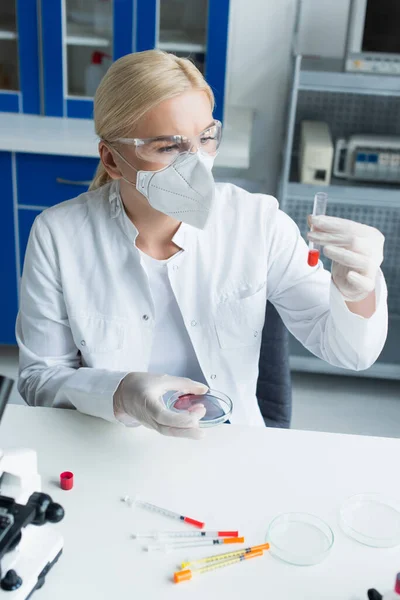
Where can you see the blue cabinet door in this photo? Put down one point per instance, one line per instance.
(67, 51)
(216, 44)
(217, 49)
(46, 180)
(26, 48)
(9, 275)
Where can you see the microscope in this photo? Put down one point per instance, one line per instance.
(29, 542)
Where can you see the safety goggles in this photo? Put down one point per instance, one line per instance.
(165, 149)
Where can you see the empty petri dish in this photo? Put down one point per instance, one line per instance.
(371, 519)
(218, 406)
(299, 539)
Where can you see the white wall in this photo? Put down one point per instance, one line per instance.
(259, 66)
(259, 54)
(323, 27)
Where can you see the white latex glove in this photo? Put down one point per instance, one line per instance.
(139, 396)
(356, 252)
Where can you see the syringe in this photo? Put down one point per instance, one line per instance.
(155, 535)
(224, 556)
(162, 511)
(187, 574)
(319, 208)
(167, 547)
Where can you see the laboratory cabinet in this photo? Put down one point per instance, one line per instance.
(82, 37)
(19, 57)
(53, 53)
(31, 183)
(78, 34)
(9, 274)
(350, 104)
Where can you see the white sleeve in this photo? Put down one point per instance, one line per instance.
(49, 361)
(313, 309)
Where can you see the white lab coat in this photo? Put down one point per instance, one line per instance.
(87, 316)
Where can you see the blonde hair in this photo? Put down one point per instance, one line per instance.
(133, 85)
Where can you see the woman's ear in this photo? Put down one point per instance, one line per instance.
(108, 161)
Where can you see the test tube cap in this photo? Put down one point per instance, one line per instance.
(397, 584)
(313, 258)
(185, 575)
(66, 480)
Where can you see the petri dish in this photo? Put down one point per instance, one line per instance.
(371, 519)
(299, 539)
(218, 406)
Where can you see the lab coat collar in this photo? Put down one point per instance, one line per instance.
(114, 199)
(182, 238)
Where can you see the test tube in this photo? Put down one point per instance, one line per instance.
(155, 535)
(162, 511)
(166, 547)
(187, 574)
(319, 208)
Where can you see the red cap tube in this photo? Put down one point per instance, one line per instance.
(66, 480)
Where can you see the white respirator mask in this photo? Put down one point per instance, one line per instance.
(184, 190)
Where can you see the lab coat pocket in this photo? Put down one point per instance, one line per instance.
(95, 334)
(240, 322)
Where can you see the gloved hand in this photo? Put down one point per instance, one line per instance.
(139, 396)
(356, 252)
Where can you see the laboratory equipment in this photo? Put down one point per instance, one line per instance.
(371, 519)
(300, 539)
(187, 574)
(27, 549)
(374, 594)
(368, 158)
(94, 73)
(166, 547)
(224, 555)
(66, 480)
(319, 208)
(155, 535)
(316, 153)
(162, 511)
(371, 48)
(218, 406)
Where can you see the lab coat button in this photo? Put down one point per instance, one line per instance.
(193, 323)
(213, 376)
(145, 317)
(255, 333)
(83, 343)
(175, 267)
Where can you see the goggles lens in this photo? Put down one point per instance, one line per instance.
(165, 150)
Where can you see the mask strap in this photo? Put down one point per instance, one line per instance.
(126, 162)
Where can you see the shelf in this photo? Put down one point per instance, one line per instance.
(180, 41)
(343, 191)
(83, 35)
(8, 32)
(386, 367)
(327, 75)
(76, 137)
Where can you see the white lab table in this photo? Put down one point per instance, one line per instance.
(236, 478)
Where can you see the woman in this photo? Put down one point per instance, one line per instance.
(157, 278)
